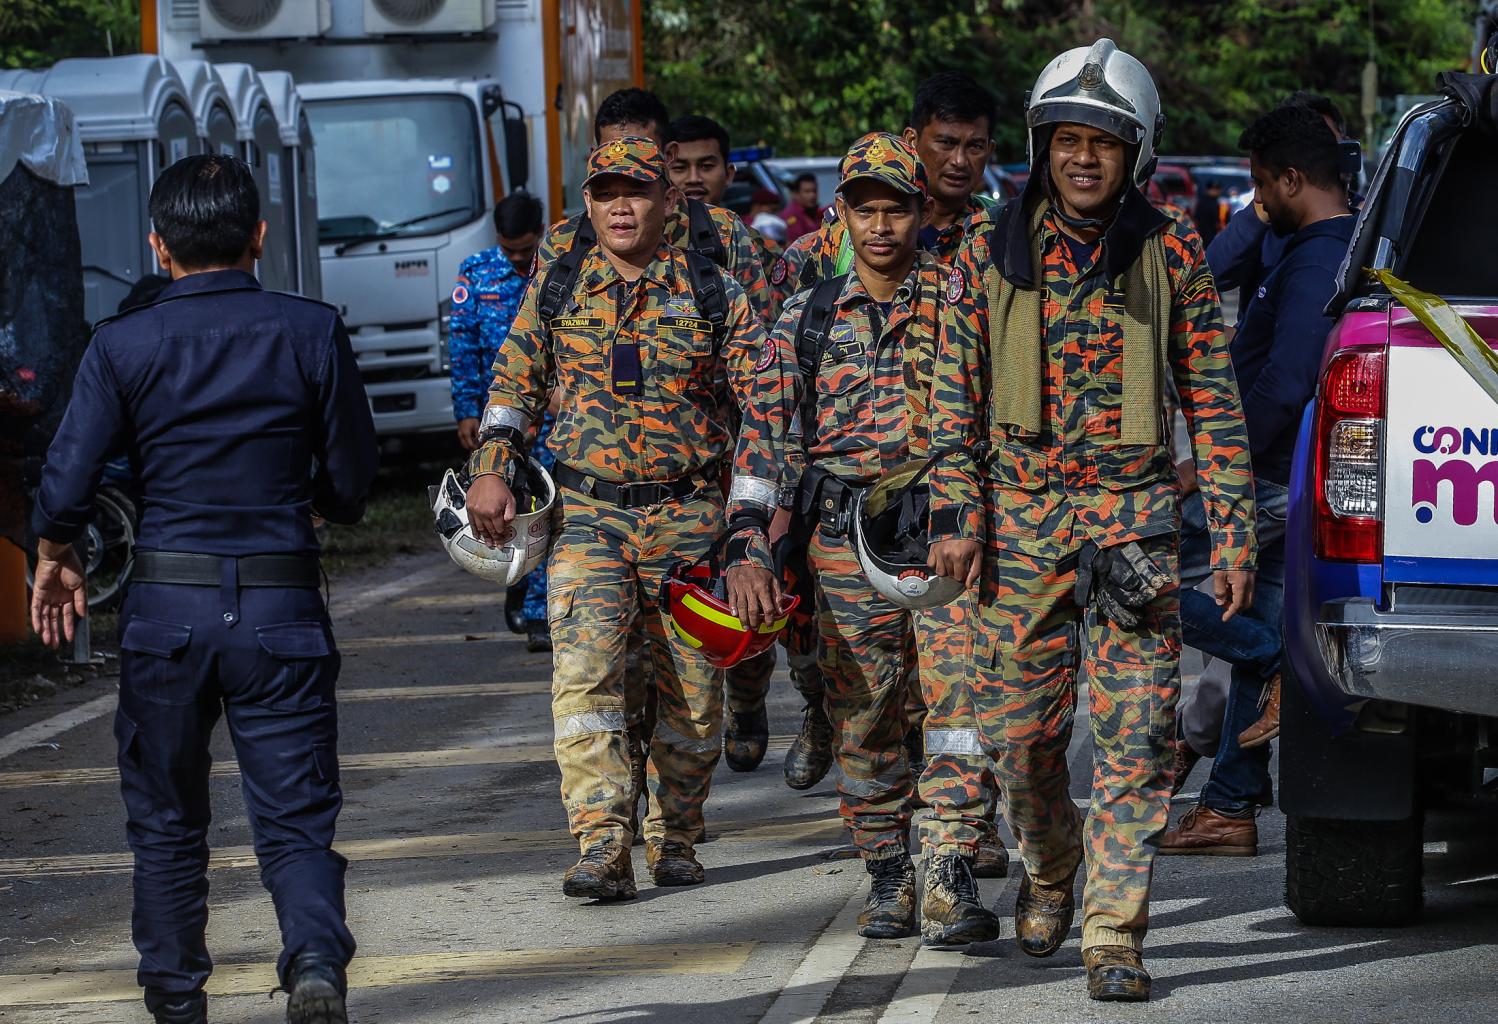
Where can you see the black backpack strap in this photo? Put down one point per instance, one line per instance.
(702, 233)
(561, 276)
(811, 339)
(707, 290)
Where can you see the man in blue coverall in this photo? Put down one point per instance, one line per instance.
(485, 300)
(242, 415)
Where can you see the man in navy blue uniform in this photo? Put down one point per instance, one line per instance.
(243, 417)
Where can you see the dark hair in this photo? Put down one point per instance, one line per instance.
(695, 128)
(952, 96)
(802, 179)
(629, 106)
(1295, 137)
(205, 208)
(1320, 104)
(517, 214)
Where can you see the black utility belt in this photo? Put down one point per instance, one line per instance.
(634, 495)
(829, 499)
(185, 569)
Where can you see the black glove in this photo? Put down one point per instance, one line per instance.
(1125, 581)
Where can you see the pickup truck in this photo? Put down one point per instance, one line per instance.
(1391, 597)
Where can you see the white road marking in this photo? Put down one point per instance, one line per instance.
(924, 987)
(813, 982)
(48, 728)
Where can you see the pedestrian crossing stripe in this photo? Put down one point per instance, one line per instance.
(414, 969)
(817, 829)
(404, 760)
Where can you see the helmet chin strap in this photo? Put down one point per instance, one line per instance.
(1098, 224)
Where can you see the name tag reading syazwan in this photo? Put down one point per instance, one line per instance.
(576, 323)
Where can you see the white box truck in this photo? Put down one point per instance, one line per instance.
(424, 114)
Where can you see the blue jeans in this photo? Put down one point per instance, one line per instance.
(1250, 642)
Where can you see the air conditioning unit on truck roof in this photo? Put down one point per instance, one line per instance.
(407, 17)
(264, 19)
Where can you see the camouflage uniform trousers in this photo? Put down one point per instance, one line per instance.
(866, 647)
(1025, 693)
(606, 572)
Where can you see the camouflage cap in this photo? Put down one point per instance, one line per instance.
(631, 156)
(883, 157)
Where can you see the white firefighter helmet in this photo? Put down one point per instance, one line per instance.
(1101, 86)
(530, 535)
(890, 536)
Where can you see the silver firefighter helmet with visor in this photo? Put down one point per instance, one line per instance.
(890, 534)
(1100, 86)
(530, 532)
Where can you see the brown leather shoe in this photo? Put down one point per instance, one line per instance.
(604, 873)
(1116, 974)
(1183, 759)
(1043, 914)
(672, 863)
(1268, 725)
(992, 860)
(1207, 833)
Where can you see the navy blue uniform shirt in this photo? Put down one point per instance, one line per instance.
(1277, 350)
(240, 410)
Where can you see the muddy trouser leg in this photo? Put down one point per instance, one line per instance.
(864, 642)
(749, 682)
(591, 604)
(688, 735)
(1134, 680)
(1024, 699)
(957, 764)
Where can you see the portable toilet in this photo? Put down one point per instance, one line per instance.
(217, 126)
(261, 147)
(134, 119)
(296, 137)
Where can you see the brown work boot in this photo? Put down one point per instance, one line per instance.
(1043, 914)
(672, 863)
(1208, 833)
(810, 756)
(746, 739)
(1116, 974)
(992, 860)
(1268, 725)
(1182, 760)
(952, 911)
(889, 911)
(604, 873)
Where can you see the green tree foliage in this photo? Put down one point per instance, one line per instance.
(808, 76)
(38, 33)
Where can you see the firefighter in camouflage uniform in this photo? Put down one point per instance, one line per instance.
(1067, 311)
(859, 414)
(645, 348)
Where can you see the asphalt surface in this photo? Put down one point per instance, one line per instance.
(458, 842)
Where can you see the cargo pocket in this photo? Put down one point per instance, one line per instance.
(559, 604)
(325, 762)
(298, 655)
(156, 671)
(1133, 467)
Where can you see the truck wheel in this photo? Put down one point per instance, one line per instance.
(1353, 873)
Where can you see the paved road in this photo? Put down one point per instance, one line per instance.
(458, 843)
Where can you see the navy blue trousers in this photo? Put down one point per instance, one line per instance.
(263, 658)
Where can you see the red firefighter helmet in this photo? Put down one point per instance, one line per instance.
(698, 613)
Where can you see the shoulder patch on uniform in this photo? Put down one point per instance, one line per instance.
(460, 294)
(778, 272)
(955, 285)
(766, 355)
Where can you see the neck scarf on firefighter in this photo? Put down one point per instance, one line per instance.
(1016, 330)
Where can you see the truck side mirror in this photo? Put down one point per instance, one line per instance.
(517, 147)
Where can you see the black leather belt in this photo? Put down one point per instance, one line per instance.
(184, 569)
(636, 495)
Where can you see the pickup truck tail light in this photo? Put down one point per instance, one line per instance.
(1349, 457)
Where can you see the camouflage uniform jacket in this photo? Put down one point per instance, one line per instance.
(485, 300)
(1075, 481)
(814, 257)
(745, 261)
(870, 410)
(664, 423)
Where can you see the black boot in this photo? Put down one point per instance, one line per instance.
(810, 757)
(537, 636)
(317, 988)
(890, 910)
(746, 739)
(191, 1009)
(515, 608)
